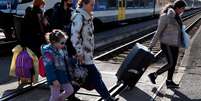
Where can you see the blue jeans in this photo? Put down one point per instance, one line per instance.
(93, 81)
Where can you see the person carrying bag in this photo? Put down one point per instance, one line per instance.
(170, 34)
(82, 38)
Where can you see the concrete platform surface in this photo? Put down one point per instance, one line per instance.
(190, 89)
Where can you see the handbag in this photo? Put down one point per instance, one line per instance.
(185, 38)
(80, 74)
(77, 73)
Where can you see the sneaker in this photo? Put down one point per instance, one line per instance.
(152, 77)
(171, 84)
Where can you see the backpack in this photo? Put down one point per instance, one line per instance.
(24, 65)
(41, 67)
(70, 48)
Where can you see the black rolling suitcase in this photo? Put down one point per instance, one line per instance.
(134, 65)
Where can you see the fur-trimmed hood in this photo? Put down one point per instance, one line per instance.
(171, 12)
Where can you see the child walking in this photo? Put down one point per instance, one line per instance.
(55, 59)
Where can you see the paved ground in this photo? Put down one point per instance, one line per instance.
(190, 89)
(144, 90)
(188, 74)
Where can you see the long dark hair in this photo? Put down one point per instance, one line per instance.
(176, 4)
(62, 2)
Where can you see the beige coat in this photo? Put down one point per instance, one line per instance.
(168, 31)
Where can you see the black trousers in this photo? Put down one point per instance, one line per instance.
(171, 53)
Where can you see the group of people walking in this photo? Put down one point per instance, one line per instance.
(69, 36)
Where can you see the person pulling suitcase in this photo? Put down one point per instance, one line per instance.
(169, 33)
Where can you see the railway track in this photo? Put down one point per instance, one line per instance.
(127, 33)
(118, 54)
(145, 39)
(7, 45)
(110, 55)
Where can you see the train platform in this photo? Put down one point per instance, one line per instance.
(190, 82)
(187, 74)
(144, 90)
(101, 39)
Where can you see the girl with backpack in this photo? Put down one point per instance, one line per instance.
(55, 59)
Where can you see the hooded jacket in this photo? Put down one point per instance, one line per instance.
(168, 31)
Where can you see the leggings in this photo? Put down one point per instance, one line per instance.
(171, 53)
(57, 95)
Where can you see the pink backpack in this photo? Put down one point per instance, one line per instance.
(41, 67)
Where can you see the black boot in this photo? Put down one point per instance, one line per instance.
(171, 84)
(152, 77)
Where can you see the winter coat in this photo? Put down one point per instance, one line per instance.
(82, 35)
(55, 62)
(169, 30)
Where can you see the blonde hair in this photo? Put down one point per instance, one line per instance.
(38, 3)
(80, 3)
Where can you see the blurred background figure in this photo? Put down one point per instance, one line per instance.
(34, 27)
